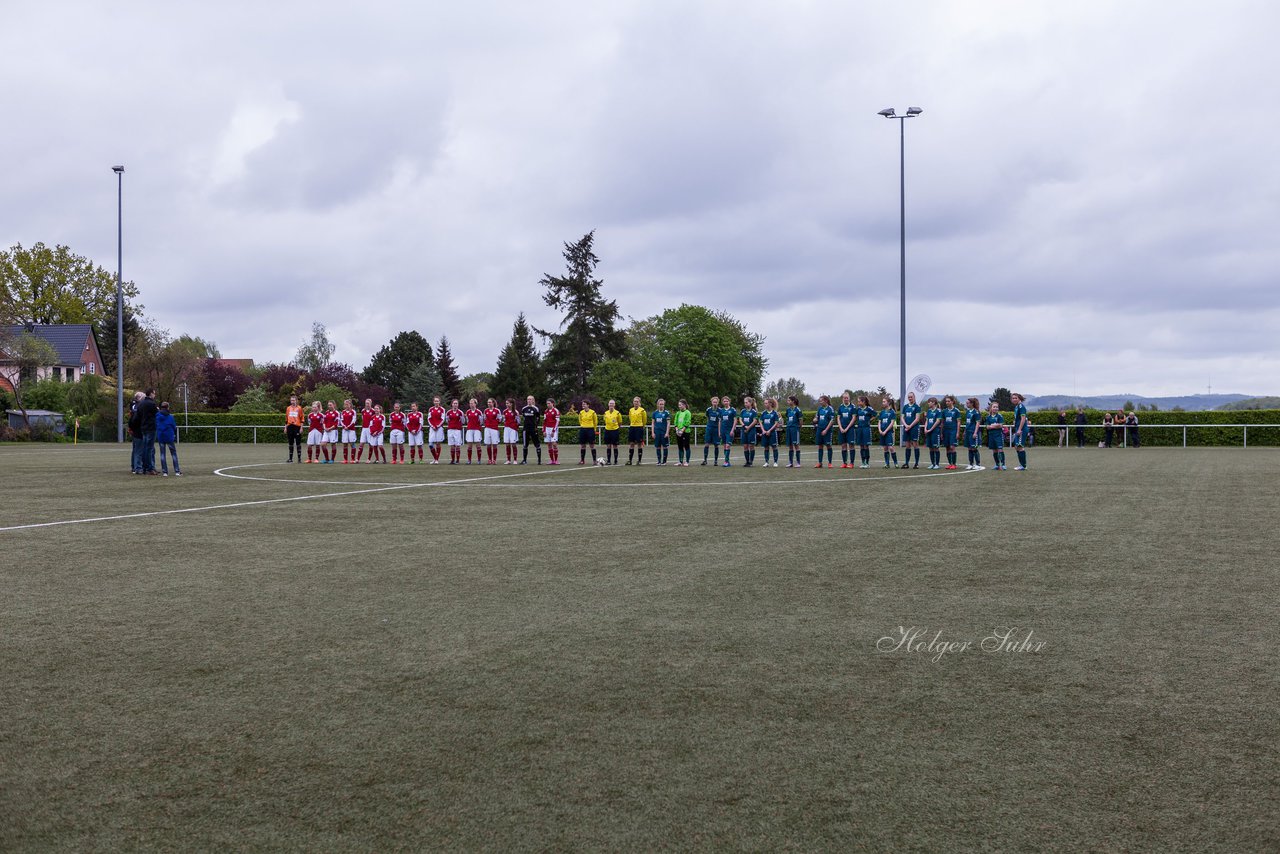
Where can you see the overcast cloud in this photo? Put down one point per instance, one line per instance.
(1092, 190)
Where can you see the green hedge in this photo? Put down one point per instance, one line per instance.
(271, 427)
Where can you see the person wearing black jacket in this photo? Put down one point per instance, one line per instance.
(147, 422)
(135, 433)
(1081, 420)
(530, 415)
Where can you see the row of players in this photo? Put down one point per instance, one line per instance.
(847, 424)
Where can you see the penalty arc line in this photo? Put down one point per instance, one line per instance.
(268, 500)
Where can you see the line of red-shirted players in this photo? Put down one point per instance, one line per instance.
(332, 427)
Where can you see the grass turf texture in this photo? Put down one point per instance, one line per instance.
(559, 661)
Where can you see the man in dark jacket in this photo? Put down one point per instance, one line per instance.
(135, 433)
(1081, 420)
(147, 421)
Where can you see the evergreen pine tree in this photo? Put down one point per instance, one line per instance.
(519, 371)
(450, 381)
(588, 334)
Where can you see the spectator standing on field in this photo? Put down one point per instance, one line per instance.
(1062, 428)
(147, 418)
(1131, 424)
(167, 438)
(135, 433)
(1081, 420)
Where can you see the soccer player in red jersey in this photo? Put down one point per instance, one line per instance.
(366, 418)
(315, 435)
(414, 423)
(492, 430)
(331, 435)
(435, 430)
(349, 418)
(456, 420)
(475, 429)
(396, 421)
(377, 424)
(551, 431)
(510, 431)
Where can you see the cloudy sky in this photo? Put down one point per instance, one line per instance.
(1093, 190)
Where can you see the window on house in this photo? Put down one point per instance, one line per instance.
(92, 368)
(57, 373)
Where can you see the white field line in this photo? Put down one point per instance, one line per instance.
(274, 500)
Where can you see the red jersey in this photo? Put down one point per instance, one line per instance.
(435, 416)
(511, 419)
(492, 418)
(455, 419)
(473, 419)
(348, 419)
(414, 420)
(316, 420)
(366, 417)
(551, 418)
(375, 424)
(397, 420)
(331, 419)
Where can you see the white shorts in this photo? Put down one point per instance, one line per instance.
(315, 437)
(331, 436)
(364, 435)
(375, 439)
(551, 434)
(348, 437)
(491, 435)
(473, 436)
(397, 437)
(509, 436)
(415, 439)
(435, 436)
(455, 437)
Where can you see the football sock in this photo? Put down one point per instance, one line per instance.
(726, 453)
(631, 455)
(895, 457)
(844, 456)
(1022, 458)
(593, 454)
(886, 458)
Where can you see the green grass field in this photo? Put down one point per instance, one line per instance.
(639, 658)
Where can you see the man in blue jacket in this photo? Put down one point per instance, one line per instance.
(167, 438)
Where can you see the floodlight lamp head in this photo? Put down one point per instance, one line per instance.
(117, 169)
(914, 111)
(887, 112)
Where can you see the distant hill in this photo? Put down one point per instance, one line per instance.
(1253, 403)
(1189, 402)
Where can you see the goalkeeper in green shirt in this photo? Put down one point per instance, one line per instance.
(684, 433)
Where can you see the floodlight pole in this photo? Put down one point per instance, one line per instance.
(911, 113)
(119, 170)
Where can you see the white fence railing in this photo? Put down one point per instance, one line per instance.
(1120, 434)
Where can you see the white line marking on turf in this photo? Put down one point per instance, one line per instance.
(273, 500)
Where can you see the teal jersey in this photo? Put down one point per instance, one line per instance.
(769, 418)
(825, 414)
(748, 417)
(727, 417)
(844, 416)
(950, 419)
(910, 412)
(886, 419)
(931, 419)
(1019, 413)
(972, 418)
(661, 422)
(865, 415)
(993, 420)
(794, 414)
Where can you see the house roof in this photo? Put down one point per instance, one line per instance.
(67, 339)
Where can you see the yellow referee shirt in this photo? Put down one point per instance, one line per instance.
(587, 418)
(639, 417)
(612, 419)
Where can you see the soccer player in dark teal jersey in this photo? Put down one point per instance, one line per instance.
(910, 430)
(662, 432)
(864, 417)
(823, 423)
(769, 430)
(973, 433)
(711, 438)
(950, 428)
(1021, 426)
(728, 418)
(993, 423)
(794, 416)
(845, 430)
(933, 433)
(887, 417)
(748, 421)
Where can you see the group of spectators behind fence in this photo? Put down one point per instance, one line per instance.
(1117, 428)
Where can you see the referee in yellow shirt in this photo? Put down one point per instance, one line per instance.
(637, 418)
(612, 426)
(587, 421)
